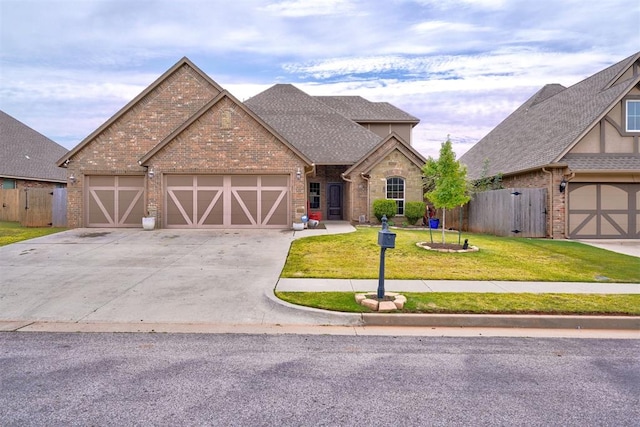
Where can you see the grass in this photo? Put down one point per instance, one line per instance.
(12, 232)
(474, 303)
(357, 256)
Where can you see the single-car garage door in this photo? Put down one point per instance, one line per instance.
(217, 201)
(604, 211)
(115, 201)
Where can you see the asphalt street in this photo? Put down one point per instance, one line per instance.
(59, 379)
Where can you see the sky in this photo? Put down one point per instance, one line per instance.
(460, 66)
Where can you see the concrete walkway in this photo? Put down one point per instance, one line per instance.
(352, 285)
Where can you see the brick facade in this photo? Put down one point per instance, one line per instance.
(225, 140)
(184, 123)
(117, 148)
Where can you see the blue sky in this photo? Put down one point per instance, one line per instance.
(460, 66)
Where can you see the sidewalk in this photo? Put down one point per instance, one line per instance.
(368, 285)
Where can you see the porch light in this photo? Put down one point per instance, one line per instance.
(73, 179)
(299, 174)
(563, 185)
(151, 173)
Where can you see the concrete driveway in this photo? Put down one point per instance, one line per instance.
(159, 276)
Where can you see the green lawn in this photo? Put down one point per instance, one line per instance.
(357, 256)
(12, 232)
(475, 303)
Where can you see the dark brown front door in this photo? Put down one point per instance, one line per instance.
(334, 202)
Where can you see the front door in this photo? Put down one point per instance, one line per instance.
(334, 202)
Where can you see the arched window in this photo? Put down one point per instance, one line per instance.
(395, 191)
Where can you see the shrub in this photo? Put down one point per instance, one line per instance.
(414, 211)
(383, 207)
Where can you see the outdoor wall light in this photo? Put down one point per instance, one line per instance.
(563, 185)
(73, 179)
(151, 173)
(299, 174)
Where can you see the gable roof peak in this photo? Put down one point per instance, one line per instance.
(546, 92)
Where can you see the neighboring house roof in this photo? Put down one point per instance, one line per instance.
(27, 154)
(362, 110)
(321, 133)
(550, 123)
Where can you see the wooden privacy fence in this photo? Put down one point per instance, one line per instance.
(35, 207)
(518, 212)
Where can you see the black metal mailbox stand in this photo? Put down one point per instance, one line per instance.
(386, 239)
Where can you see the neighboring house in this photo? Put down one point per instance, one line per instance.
(188, 153)
(28, 158)
(582, 143)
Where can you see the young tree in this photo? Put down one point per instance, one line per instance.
(446, 181)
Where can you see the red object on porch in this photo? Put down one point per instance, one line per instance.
(315, 215)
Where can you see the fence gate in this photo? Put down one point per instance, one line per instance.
(35, 207)
(59, 213)
(510, 212)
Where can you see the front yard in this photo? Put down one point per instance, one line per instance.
(357, 255)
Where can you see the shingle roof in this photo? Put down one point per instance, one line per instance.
(321, 133)
(362, 110)
(27, 154)
(541, 130)
(586, 162)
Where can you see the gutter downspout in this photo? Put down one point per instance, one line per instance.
(550, 187)
(367, 178)
(566, 205)
(342, 175)
(310, 172)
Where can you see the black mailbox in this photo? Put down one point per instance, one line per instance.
(386, 239)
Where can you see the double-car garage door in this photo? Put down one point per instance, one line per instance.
(192, 201)
(604, 211)
(217, 201)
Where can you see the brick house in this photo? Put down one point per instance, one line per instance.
(188, 153)
(28, 158)
(582, 143)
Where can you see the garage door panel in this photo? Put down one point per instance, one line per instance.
(274, 207)
(229, 201)
(101, 203)
(210, 207)
(180, 207)
(604, 210)
(615, 224)
(115, 201)
(244, 207)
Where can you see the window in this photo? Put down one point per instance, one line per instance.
(9, 184)
(395, 191)
(633, 116)
(314, 195)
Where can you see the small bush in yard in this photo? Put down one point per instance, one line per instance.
(414, 211)
(383, 207)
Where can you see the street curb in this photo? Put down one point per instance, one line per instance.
(324, 317)
(503, 321)
(527, 321)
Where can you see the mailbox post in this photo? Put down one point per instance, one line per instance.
(386, 239)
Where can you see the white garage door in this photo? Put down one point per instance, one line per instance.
(114, 201)
(604, 211)
(217, 201)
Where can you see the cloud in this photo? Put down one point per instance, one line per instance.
(305, 8)
(461, 66)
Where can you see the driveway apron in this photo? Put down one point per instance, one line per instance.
(127, 275)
